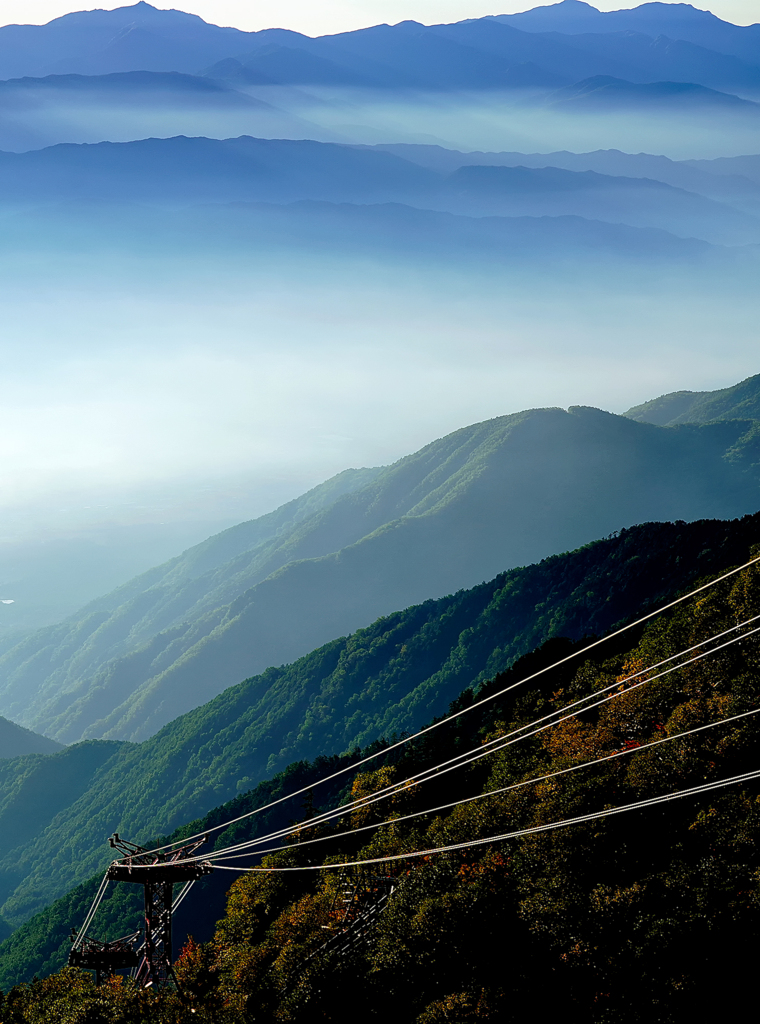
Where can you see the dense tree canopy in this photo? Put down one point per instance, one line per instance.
(647, 915)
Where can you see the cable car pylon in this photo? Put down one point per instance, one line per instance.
(157, 873)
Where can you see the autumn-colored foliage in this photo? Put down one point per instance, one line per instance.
(652, 915)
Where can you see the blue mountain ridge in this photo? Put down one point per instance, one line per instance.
(128, 663)
(184, 171)
(482, 53)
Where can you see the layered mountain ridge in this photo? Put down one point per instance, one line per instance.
(478, 53)
(387, 678)
(720, 207)
(498, 494)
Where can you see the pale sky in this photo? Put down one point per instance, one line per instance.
(327, 16)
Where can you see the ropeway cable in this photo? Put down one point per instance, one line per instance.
(464, 711)
(491, 746)
(185, 890)
(503, 741)
(91, 913)
(550, 826)
(477, 754)
(495, 792)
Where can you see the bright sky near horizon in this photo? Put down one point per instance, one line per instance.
(335, 15)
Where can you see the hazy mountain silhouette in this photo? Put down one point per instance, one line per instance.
(16, 741)
(747, 166)
(605, 93)
(675, 20)
(126, 84)
(644, 202)
(742, 401)
(182, 170)
(724, 178)
(40, 112)
(135, 38)
(485, 53)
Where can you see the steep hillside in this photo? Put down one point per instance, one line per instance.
(387, 678)
(639, 916)
(494, 495)
(742, 401)
(665, 894)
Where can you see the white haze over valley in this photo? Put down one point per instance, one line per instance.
(159, 376)
(486, 120)
(155, 391)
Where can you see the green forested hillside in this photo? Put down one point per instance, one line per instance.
(497, 494)
(740, 402)
(41, 945)
(387, 678)
(649, 915)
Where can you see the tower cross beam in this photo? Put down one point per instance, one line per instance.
(157, 873)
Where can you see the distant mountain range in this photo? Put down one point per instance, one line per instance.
(549, 46)
(498, 494)
(539, 47)
(676, 20)
(181, 171)
(735, 178)
(602, 92)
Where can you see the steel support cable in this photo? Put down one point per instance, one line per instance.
(518, 833)
(499, 792)
(91, 913)
(459, 714)
(339, 812)
(185, 890)
(503, 741)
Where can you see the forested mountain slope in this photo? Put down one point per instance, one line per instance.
(631, 917)
(15, 741)
(497, 494)
(741, 401)
(387, 678)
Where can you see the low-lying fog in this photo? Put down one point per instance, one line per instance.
(153, 393)
(513, 120)
(176, 389)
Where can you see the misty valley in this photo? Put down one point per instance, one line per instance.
(380, 571)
